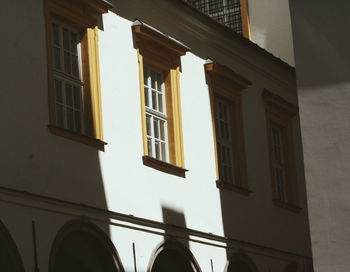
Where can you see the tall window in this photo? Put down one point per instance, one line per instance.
(73, 70)
(225, 91)
(231, 13)
(279, 116)
(156, 119)
(67, 77)
(278, 161)
(159, 66)
(224, 143)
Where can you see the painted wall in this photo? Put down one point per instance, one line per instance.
(271, 27)
(322, 60)
(38, 162)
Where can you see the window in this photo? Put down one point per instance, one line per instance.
(279, 116)
(231, 13)
(159, 66)
(225, 91)
(73, 70)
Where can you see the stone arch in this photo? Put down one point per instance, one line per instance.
(80, 244)
(240, 262)
(10, 259)
(171, 256)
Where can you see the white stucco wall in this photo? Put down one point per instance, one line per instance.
(270, 27)
(38, 162)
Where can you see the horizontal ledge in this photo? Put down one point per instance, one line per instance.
(233, 187)
(286, 205)
(84, 139)
(164, 166)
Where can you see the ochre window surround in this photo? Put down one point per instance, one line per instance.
(279, 119)
(74, 83)
(225, 89)
(160, 55)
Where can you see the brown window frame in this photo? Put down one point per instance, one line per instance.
(226, 84)
(282, 113)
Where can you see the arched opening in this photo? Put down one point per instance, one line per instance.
(172, 257)
(10, 260)
(241, 263)
(83, 247)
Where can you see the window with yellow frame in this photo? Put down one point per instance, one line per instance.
(73, 69)
(225, 94)
(159, 67)
(279, 118)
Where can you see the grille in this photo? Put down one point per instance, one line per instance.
(226, 12)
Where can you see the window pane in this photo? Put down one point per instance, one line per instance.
(148, 125)
(162, 130)
(163, 147)
(156, 127)
(57, 58)
(56, 35)
(149, 145)
(65, 39)
(154, 100)
(75, 67)
(77, 98)
(74, 43)
(69, 95)
(153, 79)
(146, 97)
(157, 147)
(67, 63)
(160, 102)
(58, 88)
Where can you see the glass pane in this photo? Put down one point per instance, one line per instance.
(159, 82)
(75, 67)
(157, 147)
(67, 63)
(148, 125)
(77, 98)
(154, 100)
(153, 79)
(74, 43)
(69, 95)
(58, 88)
(145, 75)
(149, 145)
(59, 115)
(57, 58)
(163, 146)
(160, 102)
(156, 128)
(162, 130)
(70, 119)
(65, 39)
(146, 97)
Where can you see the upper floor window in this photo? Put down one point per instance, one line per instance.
(73, 69)
(225, 92)
(231, 13)
(159, 66)
(279, 117)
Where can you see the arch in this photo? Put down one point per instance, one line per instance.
(80, 244)
(10, 259)
(171, 256)
(240, 262)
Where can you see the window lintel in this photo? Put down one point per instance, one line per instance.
(278, 104)
(145, 32)
(221, 73)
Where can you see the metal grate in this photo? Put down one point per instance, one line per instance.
(226, 12)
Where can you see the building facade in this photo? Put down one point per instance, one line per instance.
(322, 59)
(146, 136)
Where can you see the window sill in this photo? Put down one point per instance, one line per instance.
(232, 187)
(286, 205)
(100, 145)
(164, 166)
